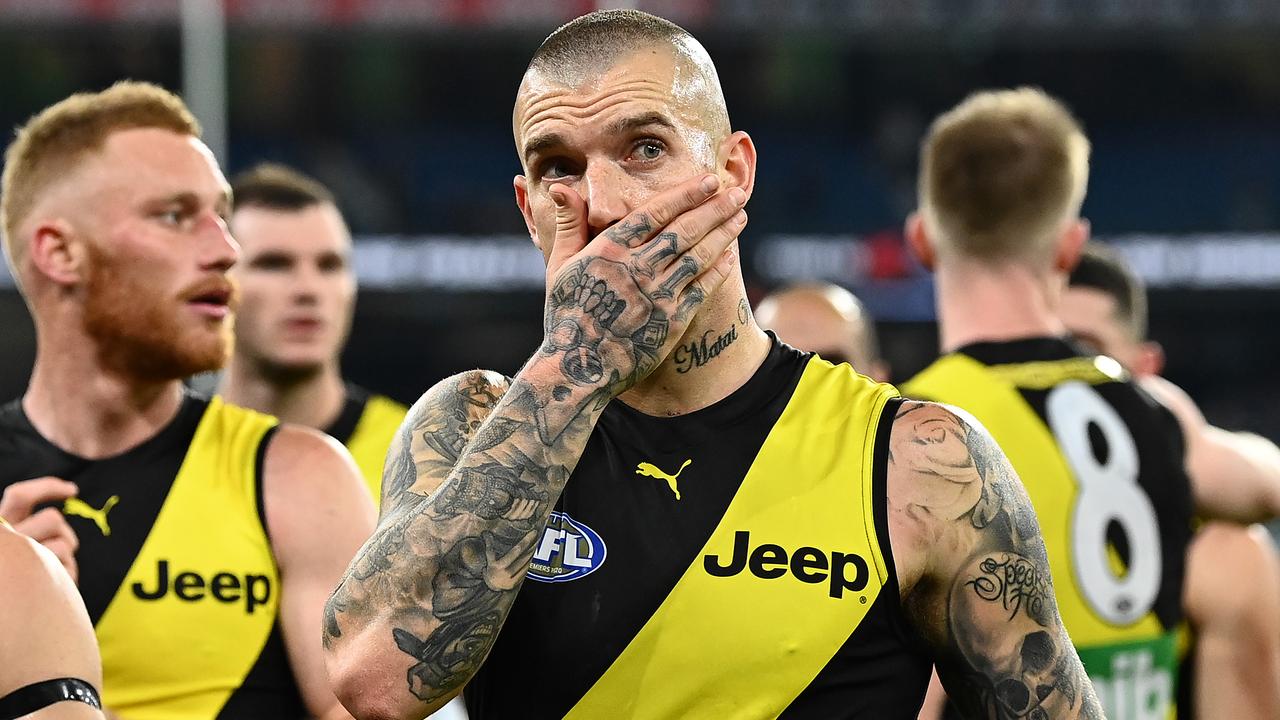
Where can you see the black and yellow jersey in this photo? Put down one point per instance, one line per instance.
(176, 568)
(366, 425)
(1103, 464)
(731, 563)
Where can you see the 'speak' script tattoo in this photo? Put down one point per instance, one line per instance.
(699, 352)
(1016, 584)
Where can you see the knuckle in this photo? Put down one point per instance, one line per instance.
(698, 258)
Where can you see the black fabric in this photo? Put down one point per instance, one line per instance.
(541, 666)
(37, 696)
(140, 477)
(344, 426)
(561, 637)
(270, 690)
(882, 670)
(1161, 450)
(259, 461)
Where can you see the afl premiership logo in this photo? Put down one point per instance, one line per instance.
(567, 551)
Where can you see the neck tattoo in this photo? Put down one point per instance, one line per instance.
(700, 352)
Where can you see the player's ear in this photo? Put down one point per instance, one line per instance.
(918, 240)
(57, 253)
(1071, 245)
(521, 185)
(737, 160)
(1150, 359)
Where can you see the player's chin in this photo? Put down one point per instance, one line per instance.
(296, 363)
(204, 350)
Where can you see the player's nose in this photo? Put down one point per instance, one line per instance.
(218, 249)
(604, 187)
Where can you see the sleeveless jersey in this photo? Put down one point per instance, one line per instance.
(366, 425)
(1103, 465)
(731, 563)
(176, 568)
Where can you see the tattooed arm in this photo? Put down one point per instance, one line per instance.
(974, 574)
(467, 496)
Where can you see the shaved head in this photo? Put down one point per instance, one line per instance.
(828, 320)
(585, 49)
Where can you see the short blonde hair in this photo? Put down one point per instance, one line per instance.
(52, 142)
(1000, 174)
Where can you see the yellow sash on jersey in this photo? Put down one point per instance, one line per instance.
(371, 438)
(180, 658)
(743, 646)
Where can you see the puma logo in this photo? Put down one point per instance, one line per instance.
(650, 470)
(80, 508)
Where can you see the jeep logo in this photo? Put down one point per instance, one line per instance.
(807, 564)
(225, 587)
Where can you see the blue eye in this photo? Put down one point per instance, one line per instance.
(650, 150)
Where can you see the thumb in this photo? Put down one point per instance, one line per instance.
(571, 224)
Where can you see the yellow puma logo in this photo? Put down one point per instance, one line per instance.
(650, 470)
(78, 507)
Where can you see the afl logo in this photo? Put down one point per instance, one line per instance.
(567, 551)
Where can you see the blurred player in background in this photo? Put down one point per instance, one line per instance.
(722, 549)
(297, 296)
(1233, 574)
(209, 535)
(1235, 475)
(828, 320)
(1002, 179)
(48, 655)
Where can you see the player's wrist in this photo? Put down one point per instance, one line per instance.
(548, 374)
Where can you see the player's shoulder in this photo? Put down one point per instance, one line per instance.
(45, 624)
(305, 475)
(918, 419)
(24, 562)
(939, 456)
(298, 454)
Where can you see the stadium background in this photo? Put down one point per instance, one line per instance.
(403, 108)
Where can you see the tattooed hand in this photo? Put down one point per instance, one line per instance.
(481, 460)
(974, 574)
(616, 305)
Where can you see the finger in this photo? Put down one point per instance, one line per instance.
(571, 224)
(687, 231)
(649, 219)
(19, 498)
(66, 555)
(708, 282)
(48, 524)
(701, 256)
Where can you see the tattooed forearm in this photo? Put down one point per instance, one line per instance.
(447, 561)
(482, 460)
(1004, 653)
(698, 353)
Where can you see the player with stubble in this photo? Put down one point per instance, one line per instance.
(208, 535)
(742, 534)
